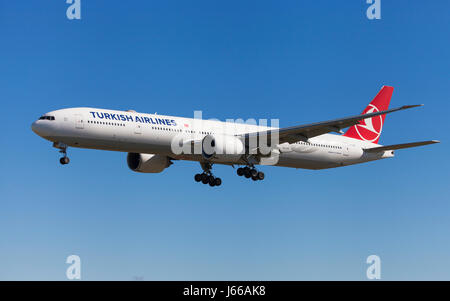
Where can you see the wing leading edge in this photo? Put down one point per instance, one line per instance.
(304, 132)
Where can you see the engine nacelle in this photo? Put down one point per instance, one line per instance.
(222, 148)
(147, 163)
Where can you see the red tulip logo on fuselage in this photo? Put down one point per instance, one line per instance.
(370, 129)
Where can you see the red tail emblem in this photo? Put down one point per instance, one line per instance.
(370, 129)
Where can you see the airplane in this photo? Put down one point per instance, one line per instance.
(153, 141)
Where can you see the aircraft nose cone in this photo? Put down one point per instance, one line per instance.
(34, 127)
(40, 129)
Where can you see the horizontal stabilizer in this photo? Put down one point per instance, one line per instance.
(399, 146)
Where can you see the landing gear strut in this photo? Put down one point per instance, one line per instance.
(63, 150)
(207, 177)
(250, 172)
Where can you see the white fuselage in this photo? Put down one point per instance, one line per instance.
(129, 131)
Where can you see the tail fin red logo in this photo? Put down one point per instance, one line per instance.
(370, 129)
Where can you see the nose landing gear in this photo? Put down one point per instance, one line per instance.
(250, 172)
(63, 150)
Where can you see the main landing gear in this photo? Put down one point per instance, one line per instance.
(63, 150)
(250, 172)
(207, 177)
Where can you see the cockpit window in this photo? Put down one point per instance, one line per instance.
(47, 118)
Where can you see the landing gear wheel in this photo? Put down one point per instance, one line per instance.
(198, 177)
(205, 179)
(211, 181)
(260, 175)
(240, 171)
(250, 171)
(64, 160)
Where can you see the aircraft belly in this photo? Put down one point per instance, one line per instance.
(112, 144)
(308, 160)
(296, 157)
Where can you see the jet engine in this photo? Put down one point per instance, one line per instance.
(147, 163)
(222, 148)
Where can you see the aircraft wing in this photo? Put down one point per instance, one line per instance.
(399, 146)
(303, 132)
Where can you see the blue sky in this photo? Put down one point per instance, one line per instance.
(299, 61)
